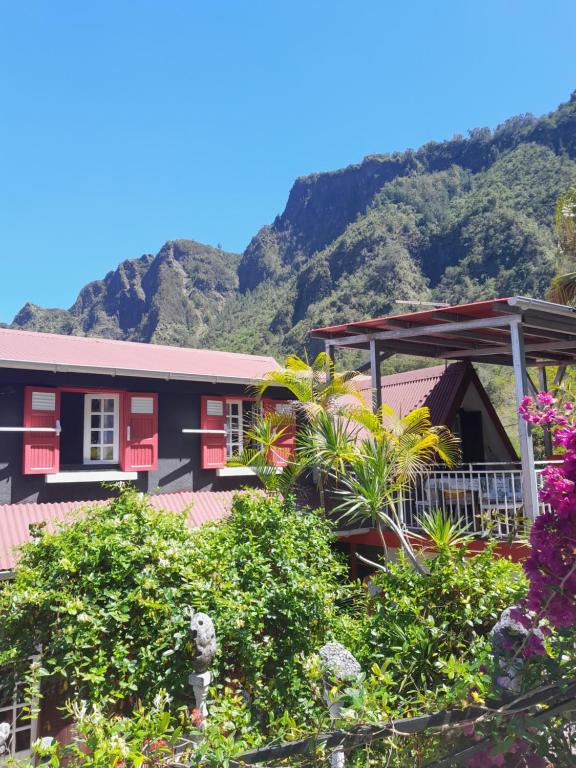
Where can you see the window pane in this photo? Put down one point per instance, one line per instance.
(96, 404)
(109, 405)
(22, 740)
(95, 422)
(108, 437)
(108, 453)
(109, 421)
(94, 438)
(94, 453)
(6, 691)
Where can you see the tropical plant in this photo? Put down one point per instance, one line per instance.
(444, 532)
(385, 464)
(316, 386)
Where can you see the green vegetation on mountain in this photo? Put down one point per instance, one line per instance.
(455, 221)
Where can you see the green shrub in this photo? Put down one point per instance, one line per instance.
(106, 596)
(428, 632)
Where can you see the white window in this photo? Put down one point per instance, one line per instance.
(15, 714)
(101, 428)
(234, 428)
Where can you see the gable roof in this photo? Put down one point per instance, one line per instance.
(88, 354)
(439, 388)
(15, 519)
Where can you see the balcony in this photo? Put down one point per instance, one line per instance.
(487, 497)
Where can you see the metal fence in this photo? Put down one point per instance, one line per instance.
(485, 496)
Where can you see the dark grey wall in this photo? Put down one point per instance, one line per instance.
(178, 454)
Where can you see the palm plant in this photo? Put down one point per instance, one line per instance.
(263, 434)
(316, 386)
(444, 532)
(386, 462)
(322, 442)
(326, 444)
(563, 287)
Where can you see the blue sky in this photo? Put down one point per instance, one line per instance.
(126, 123)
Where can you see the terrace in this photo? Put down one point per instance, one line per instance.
(497, 498)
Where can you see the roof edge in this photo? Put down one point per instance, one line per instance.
(142, 373)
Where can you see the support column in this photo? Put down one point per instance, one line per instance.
(542, 381)
(529, 487)
(375, 376)
(329, 349)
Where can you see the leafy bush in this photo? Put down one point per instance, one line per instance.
(106, 596)
(425, 632)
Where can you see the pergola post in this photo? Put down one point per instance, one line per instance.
(329, 349)
(543, 382)
(529, 486)
(375, 376)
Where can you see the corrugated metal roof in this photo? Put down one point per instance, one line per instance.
(435, 387)
(50, 351)
(476, 309)
(16, 519)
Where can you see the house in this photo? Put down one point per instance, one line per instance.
(457, 399)
(497, 496)
(76, 412)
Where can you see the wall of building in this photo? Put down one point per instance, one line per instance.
(178, 454)
(495, 446)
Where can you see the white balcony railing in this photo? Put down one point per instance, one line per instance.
(486, 497)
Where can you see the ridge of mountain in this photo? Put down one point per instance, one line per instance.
(453, 221)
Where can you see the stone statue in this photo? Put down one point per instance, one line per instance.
(338, 666)
(506, 637)
(4, 737)
(204, 639)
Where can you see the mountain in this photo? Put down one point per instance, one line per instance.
(453, 221)
(170, 298)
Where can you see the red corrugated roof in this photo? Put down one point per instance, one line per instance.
(50, 351)
(477, 309)
(16, 519)
(435, 387)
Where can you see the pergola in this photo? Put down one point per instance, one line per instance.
(520, 332)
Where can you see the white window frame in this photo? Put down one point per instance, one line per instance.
(87, 427)
(227, 418)
(9, 714)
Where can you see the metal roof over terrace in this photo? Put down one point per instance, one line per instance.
(518, 331)
(480, 332)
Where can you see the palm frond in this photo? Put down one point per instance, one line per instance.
(444, 532)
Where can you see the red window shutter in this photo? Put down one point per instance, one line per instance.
(285, 445)
(213, 446)
(41, 449)
(139, 443)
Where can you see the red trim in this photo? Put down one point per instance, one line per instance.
(517, 551)
(41, 450)
(212, 447)
(139, 435)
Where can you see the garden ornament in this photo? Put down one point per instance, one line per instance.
(4, 736)
(204, 644)
(508, 635)
(338, 666)
(204, 641)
